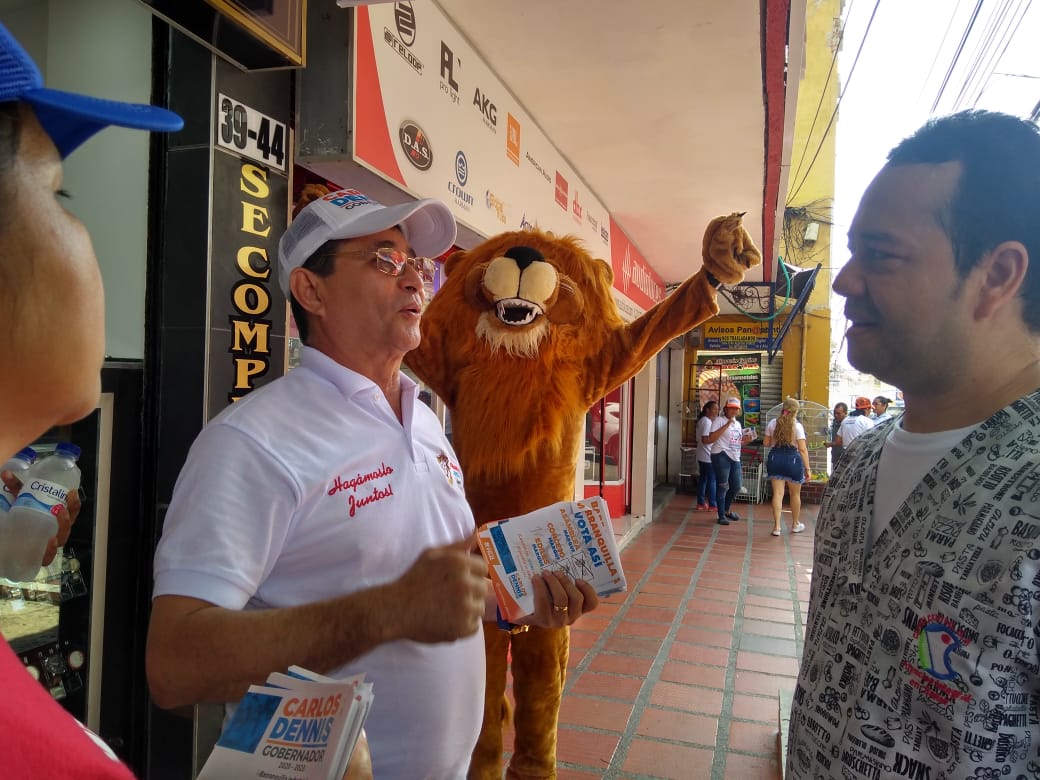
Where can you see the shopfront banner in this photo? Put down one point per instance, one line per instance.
(432, 117)
(720, 377)
(637, 286)
(747, 334)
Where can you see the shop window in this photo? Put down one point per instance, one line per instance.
(606, 432)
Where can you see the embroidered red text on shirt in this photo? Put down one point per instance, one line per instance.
(377, 495)
(359, 479)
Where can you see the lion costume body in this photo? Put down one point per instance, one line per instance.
(522, 338)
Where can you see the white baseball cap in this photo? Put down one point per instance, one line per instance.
(733, 402)
(428, 225)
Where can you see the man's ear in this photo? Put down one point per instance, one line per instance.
(304, 288)
(1003, 272)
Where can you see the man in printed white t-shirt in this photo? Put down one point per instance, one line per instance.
(920, 652)
(726, 438)
(321, 520)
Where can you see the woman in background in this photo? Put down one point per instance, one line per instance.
(787, 463)
(726, 438)
(880, 407)
(706, 472)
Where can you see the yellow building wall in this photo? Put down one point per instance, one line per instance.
(810, 200)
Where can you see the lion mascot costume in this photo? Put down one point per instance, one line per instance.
(521, 339)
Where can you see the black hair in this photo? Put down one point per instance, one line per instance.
(843, 405)
(997, 194)
(882, 400)
(322, 263)
(704, 409)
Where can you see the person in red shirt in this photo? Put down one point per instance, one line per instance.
(52, 315)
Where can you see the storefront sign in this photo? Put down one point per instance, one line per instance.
(736, 335)
(244, 293)
(247, 310)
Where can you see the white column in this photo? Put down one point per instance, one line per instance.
(643, 403)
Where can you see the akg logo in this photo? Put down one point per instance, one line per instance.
(404, 18)
(461, 168)
(488, 110)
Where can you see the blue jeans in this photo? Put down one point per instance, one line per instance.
(706, 483)
(728, 477)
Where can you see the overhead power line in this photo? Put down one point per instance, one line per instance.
(837, 104)
(956, 55)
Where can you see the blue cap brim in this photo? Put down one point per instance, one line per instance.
(70, 119)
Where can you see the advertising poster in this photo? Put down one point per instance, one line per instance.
(432, 118)
(719, 377)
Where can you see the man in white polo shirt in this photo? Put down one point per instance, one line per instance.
(322, 521)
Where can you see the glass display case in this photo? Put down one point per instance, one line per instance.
(54, 623)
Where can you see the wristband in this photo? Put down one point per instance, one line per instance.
(505, 625)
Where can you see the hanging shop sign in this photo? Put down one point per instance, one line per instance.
(252, 35)
(720, 377)
(431, 117)
(736, 335)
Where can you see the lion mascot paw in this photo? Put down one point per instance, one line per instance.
(521, 339)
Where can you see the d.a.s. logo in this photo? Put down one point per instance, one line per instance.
(416, 145)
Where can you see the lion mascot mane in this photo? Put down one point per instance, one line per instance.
(521, 339)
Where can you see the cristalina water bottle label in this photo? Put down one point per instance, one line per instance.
(42, 495)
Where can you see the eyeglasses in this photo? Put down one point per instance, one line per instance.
(392, 262)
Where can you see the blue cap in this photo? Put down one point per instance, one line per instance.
(68, 449)
(70, 119)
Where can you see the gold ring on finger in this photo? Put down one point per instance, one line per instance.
(558, 608)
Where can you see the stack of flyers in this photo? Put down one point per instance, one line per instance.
(298, 726)
(575, 537)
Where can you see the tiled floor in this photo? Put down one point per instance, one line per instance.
(681, 676)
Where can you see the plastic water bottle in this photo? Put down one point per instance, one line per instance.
(32, 521)
(19, 463)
